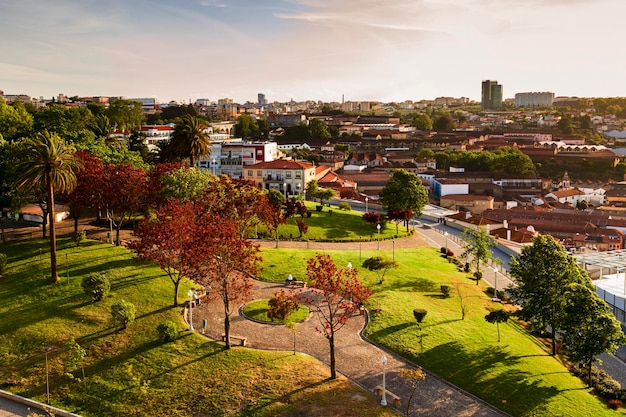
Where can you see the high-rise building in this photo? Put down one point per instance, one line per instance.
(491, 98)
(543, 99)
(262, 101)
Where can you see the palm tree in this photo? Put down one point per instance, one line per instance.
(190, 138)
(47, 161)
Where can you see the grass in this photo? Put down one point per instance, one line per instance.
(257, 310)
(131, 372)
(516, 375)
(340, 225)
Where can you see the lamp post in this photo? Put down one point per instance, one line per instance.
(366, 200)
(214, 167)
(361, 242)
(495, 286)
(47, 349)
(393, 250)
(383, 402)
(350, 266)
(378, 227)
(285, 189)
(446, 235)
(190, 295)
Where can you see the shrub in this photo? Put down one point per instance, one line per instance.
(467, 267)
(3, 264)
(615, 404)
(344, 205)
(330, 212)
(167, 331)
(445, 290)
(96, 285)
(123, 313)
(79, 237)
(449, 253)
(319, 208)
(419, 314)
(442, 250)
(478, 275)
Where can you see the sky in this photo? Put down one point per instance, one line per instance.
(377, 50)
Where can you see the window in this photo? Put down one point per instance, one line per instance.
(288, 174)
(259, 173)
(298, 174)
(249, 173)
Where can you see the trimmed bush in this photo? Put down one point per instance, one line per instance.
(445, 290)
(442, 250)
(96, 286)
(79, 237)
(466, 268)
(419, 314)
(319, 208)
(344, 205)
(3, 264)
(123, 313)
(167, 331)
(478, 275)
(615, 404)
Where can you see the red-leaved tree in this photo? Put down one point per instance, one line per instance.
(336, 293)
(169, 239)
(89, 185)
(123, 194)
(225, 262)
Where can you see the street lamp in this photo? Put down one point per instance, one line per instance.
(350, 266)
(366, 200)
(383, 402)
(393, 250)
(214, 167)
(378, 227)
(446, 235)
(361, 242)
(495, 298)
(47, 349)
(190, 295)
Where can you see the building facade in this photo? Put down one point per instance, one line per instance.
(491, 97)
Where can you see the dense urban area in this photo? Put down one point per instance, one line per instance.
(433, 257)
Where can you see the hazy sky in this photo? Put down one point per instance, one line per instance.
(384, 50)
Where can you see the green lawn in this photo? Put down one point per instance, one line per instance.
(131, 373)
(516, 375)
(257, 310)
(333, 224)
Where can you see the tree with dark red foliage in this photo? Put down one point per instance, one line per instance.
(168, 238)
(225, 261)
(400, 215)
(123, 194)
(88, 188)
(154, 183)
(374, 218)
(336, 294)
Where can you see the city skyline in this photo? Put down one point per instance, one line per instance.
(310, 50)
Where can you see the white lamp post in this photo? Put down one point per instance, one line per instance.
(47, 349)
(383, 402)
(446, 235)
(393, 250)
(190, 294)
(214, 167)
(495, 286)
(366, 200)
(378, 227)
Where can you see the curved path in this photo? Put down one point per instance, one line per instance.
(357, 359)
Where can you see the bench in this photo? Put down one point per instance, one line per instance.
(240, 339)
(390, 396)
(295, 283)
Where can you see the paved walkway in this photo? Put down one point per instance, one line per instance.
(357, 359)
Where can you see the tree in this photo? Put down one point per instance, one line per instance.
(125, 114)
(190, 139)
(325, 194)
(123, 313)
(96, 286)
(185, 183)
(226, 261)
(476, 250)
(75, 356)
(589, 328)
(275, 215)
(379, 265)
(398, 216)
(541, 273)
(443, 123)
(413, 377)
(15, 121)
(311, 190)
(281, 305)
(65, 122)
(123, 194)
(498, 316)
(422, 122)
(426, 153)
(319, 129)
(336, 293)
(48, 161)
(88, 186)
(168, 238)
(404, 191)
(247, 126)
